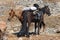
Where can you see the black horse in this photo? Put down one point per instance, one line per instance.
(38, 17)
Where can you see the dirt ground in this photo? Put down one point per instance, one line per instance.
(51, 21)
(36, 37)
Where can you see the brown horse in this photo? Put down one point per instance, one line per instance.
(12, 13)
(38, 17)
(21, 18)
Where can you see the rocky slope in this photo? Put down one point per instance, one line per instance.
(5, 6)
(52, 22)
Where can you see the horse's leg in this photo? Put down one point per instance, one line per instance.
(35, 27)
(24, 24)
(29, 22)
(27, 29)
(43, 26)
(39, 27)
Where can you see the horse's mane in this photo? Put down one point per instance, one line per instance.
(41, 8)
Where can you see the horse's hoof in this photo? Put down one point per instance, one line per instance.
(32, 33)
(58, 32)
(27, 36)
(20, 35)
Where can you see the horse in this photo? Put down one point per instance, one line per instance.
(22, 19)
(12, 13)
(38, 17)
(30, 17)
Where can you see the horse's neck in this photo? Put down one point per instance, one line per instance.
(43, 10)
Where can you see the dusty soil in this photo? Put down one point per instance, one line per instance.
(51, 21)
(36, 37)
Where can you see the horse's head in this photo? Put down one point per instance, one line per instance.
(11, 15)
(47, 10)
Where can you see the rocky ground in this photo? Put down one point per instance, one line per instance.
(52, 22)
(34, 37)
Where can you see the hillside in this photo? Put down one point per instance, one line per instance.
(52, 22)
